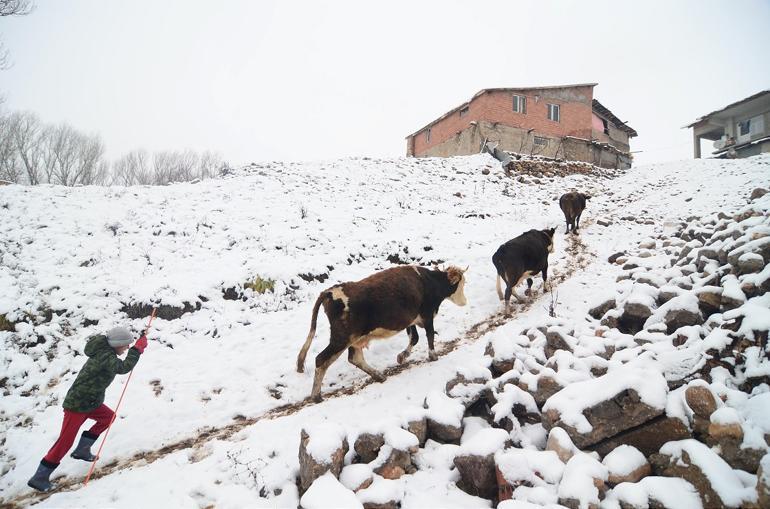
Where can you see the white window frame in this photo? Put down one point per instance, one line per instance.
(519, 104)
(554, 108)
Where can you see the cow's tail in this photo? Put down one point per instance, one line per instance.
(311, 334)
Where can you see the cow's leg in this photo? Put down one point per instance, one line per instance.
(577, 223)
(356, 358)
(497, 285)
(528, 291)
(566, 218)
(322, 362)
(411, 331)
(430, 333)
(545, 278)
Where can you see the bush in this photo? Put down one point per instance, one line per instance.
(259, 285)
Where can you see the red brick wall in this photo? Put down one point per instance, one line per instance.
(497, 106)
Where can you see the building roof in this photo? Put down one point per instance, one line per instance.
(733, 105)
(596, 106)
(602, 110)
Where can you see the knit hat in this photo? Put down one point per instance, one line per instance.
(119, 336)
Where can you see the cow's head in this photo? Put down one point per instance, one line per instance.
(456, 277)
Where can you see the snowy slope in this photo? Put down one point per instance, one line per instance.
(222, 378)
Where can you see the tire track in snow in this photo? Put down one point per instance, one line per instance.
(578, 257)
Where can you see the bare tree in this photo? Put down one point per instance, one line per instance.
(9, 168)
(26, 132)
(12, 8)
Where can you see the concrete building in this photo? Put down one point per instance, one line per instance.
(740, 129)
(562, 122)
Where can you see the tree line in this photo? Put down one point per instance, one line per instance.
(33, 152)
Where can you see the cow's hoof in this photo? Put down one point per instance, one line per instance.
(401, 358)
(527, 292)
(378, 377)
(432, 356)
(317, 399)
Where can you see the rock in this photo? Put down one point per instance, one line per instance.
(367, 446)
(647, 244)
(648, 437)
(477, 475)
(614, 258)
(583, 483)
(619, 412)
(555, 340)
(599, 311)
(645, 254)
(604, 222)
(444, 416)
(695, 462)
(763, 481)
(312, 467)
(419, 428)
(485, 171)
(757, 193)
(749, 263)
(701, 400)
(626, 464)
(633, 317)
(709, 300)
(667, 293)
(676, 318)
(397, 464)
(719, 431)
(732, 451)
(546, 387)
(356, 477)
(560, 443)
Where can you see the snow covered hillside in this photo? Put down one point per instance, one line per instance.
(215, 409)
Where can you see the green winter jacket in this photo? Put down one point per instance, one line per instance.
(87, 393)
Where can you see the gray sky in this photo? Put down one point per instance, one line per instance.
(261, 80)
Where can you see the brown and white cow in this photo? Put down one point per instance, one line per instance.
(379, 307)
(573, 204)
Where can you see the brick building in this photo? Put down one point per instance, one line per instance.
(563, 122)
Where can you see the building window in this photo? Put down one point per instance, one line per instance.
(427, 136)
(520, 104)
(744, 128)
(463, 111)
(553, 112)
(606, 127)
(539, 140)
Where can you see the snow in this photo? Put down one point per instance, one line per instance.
(353, 476)
(727, 483)
(623, 460)
(668, 491)
(571, 401)
(484, 442)
(578, 481)
(324, 439)
(327, 492)
(215, 402)
(381, 491)
(725, 415)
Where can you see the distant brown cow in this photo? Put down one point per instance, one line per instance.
(379, 307)
(573, 204)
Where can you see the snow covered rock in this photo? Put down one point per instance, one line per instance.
(583, 483)
(444, 416)
(725, 423)
(476, 464)
(626, 464)
(709, 299)
(419, 428)
(356, 477)
(595, 409)
(599, 310)
(327, 492)
(547, 386)
(395, 456)
(526, 467)
(655, 492)
(749, 263)
(647, 437)
(556, 339)
(322, 449)
(367, 446)
(382, 494)
(716, 482)
(560, 443)
(682, 311)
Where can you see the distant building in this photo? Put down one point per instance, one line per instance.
(563, 122)
(741, 129)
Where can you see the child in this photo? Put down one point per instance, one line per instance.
(85, 399)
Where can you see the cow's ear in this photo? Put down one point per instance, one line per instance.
(552, 230)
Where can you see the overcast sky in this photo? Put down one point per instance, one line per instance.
(260, 80)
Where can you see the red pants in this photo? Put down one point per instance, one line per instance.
(69, 430)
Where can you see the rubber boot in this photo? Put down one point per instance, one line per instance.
(83, 449)
(40, 480)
